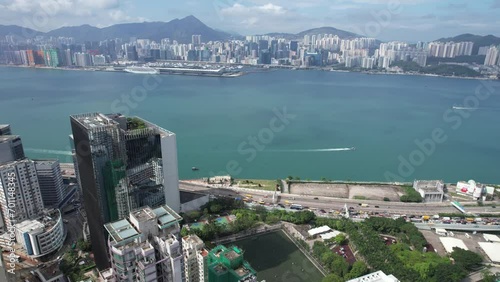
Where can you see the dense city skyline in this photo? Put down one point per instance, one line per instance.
(396, 20)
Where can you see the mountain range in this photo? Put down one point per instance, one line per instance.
(182, 30)
(177, 29)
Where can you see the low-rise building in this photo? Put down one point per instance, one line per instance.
(378, 276)
(430, 190)
(43, 235)
(227, 265)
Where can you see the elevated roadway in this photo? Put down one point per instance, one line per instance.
(328, 203)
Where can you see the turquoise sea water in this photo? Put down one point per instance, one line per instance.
(382, 116)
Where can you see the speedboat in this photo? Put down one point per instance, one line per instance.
(194, 168)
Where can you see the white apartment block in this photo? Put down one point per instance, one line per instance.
(194, 258)
(20, 196)
(145, 247)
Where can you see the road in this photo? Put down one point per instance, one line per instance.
(327, 203)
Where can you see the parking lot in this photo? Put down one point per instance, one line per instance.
(345, 252)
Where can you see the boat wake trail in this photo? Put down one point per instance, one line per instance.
(315, 150)
(49, 152)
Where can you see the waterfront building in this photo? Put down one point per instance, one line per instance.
(195, 256)
(11, 148)
(471, 188)
(430, 190)
(492, 56)
(20, 189)
(51, 182)
(227, 265)
(144, 247)
(51, 58)
(123, 164)
(41, 236)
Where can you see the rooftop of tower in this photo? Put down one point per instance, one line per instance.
(132, 123)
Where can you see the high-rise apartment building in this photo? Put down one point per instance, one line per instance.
(144, 247)
(20, 196)
(195, 256)
(196, 39)
(492, 56)
(123, 164)
(51, 182)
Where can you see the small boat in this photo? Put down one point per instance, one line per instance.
(194, 168)
(353, 148)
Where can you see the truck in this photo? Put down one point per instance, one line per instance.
(364, 205)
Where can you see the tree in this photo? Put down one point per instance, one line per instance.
(339, 266)
(358, 269)
(340, 239)
(489, 277)
(447, 272)
(386, 199)
(332, 278)
(215, 208)
(184, 232)
(467, 259)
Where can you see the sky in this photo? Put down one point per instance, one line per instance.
(408, 20)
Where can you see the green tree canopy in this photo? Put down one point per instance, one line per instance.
(467, 259)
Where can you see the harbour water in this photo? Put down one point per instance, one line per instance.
(277, 123)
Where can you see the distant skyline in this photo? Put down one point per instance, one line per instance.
(409, 20)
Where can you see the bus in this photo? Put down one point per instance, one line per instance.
(296, 207)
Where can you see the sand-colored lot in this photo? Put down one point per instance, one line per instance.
(369, 192)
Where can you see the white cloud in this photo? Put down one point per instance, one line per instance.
(239, 9)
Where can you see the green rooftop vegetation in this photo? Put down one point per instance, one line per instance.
(134, 123)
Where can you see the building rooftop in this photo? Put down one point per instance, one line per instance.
(121, 231)
(231, 255)
(143, 214)
(192, 240)
(378, 276)
(319, 230)
(492, 250)
(491, 238)
(429, 185)
(50, 271)
(8, 138)
(166, 216)
(450, 243)
(94, 120)
(42, 223)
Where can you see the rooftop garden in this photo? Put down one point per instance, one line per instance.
(134, 123)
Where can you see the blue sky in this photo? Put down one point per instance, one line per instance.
(409, 20)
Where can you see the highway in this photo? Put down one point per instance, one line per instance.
(328, 203)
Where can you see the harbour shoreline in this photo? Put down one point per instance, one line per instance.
(267, 67)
